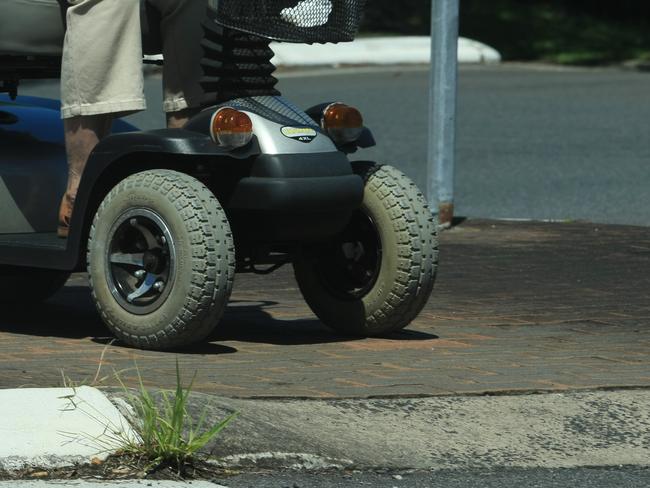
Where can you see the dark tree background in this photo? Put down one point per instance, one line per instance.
(570, 31)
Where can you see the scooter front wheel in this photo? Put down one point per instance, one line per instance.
(161, 260)
(376, 276)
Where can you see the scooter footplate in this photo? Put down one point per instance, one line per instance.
(47, 240)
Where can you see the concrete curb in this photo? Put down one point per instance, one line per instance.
(373, 51)
(556, 430)
(58, 427)
(553, 430)
(377, 51)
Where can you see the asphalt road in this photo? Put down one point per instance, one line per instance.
(622, 477)
(540, 144)
(533, 142)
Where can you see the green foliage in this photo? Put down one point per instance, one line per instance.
(563, 31)
(555, 31)
(408, 17)
(168, 433)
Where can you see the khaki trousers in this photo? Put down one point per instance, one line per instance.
(101, 70)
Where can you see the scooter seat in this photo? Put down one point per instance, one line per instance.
(36, 28)
(31, 28)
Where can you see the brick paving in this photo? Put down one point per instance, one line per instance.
(517, 307)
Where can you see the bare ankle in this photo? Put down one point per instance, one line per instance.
(177, 120)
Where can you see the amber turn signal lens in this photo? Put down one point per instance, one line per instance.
(341, 116)
(343, 123)
(231, 128)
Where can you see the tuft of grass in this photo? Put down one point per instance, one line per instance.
(169, 435)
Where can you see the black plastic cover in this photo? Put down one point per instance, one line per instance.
(298, 195)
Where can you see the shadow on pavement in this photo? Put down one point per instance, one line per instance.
(255, 324)
(71, 315)
(203, 348)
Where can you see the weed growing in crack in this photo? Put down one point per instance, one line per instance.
(163, 433)
(169, 435)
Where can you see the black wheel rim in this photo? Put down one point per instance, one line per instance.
(350, 265)
(140, 261)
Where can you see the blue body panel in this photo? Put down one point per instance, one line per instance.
(33, 165)
(51, 105)
(286, 197)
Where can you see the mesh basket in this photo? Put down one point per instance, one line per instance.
(302, 21)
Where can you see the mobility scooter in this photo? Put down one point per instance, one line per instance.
(164, 219)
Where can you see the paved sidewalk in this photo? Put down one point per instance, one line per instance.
(517, 307)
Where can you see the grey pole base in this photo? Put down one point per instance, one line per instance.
(445, 214)
(442, 111)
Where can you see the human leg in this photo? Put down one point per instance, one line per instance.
(182, 34)
(81, 136)
(101, 78)
(101, 70)
(178, 119)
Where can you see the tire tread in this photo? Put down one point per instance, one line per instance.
(417, 232)
(212, 256)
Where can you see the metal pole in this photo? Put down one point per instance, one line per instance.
(442, 111)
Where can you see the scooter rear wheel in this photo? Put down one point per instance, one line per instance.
(376, 276)
(161, 260)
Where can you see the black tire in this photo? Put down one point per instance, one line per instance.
(21, 286)
(376, 276)
(186, 244)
